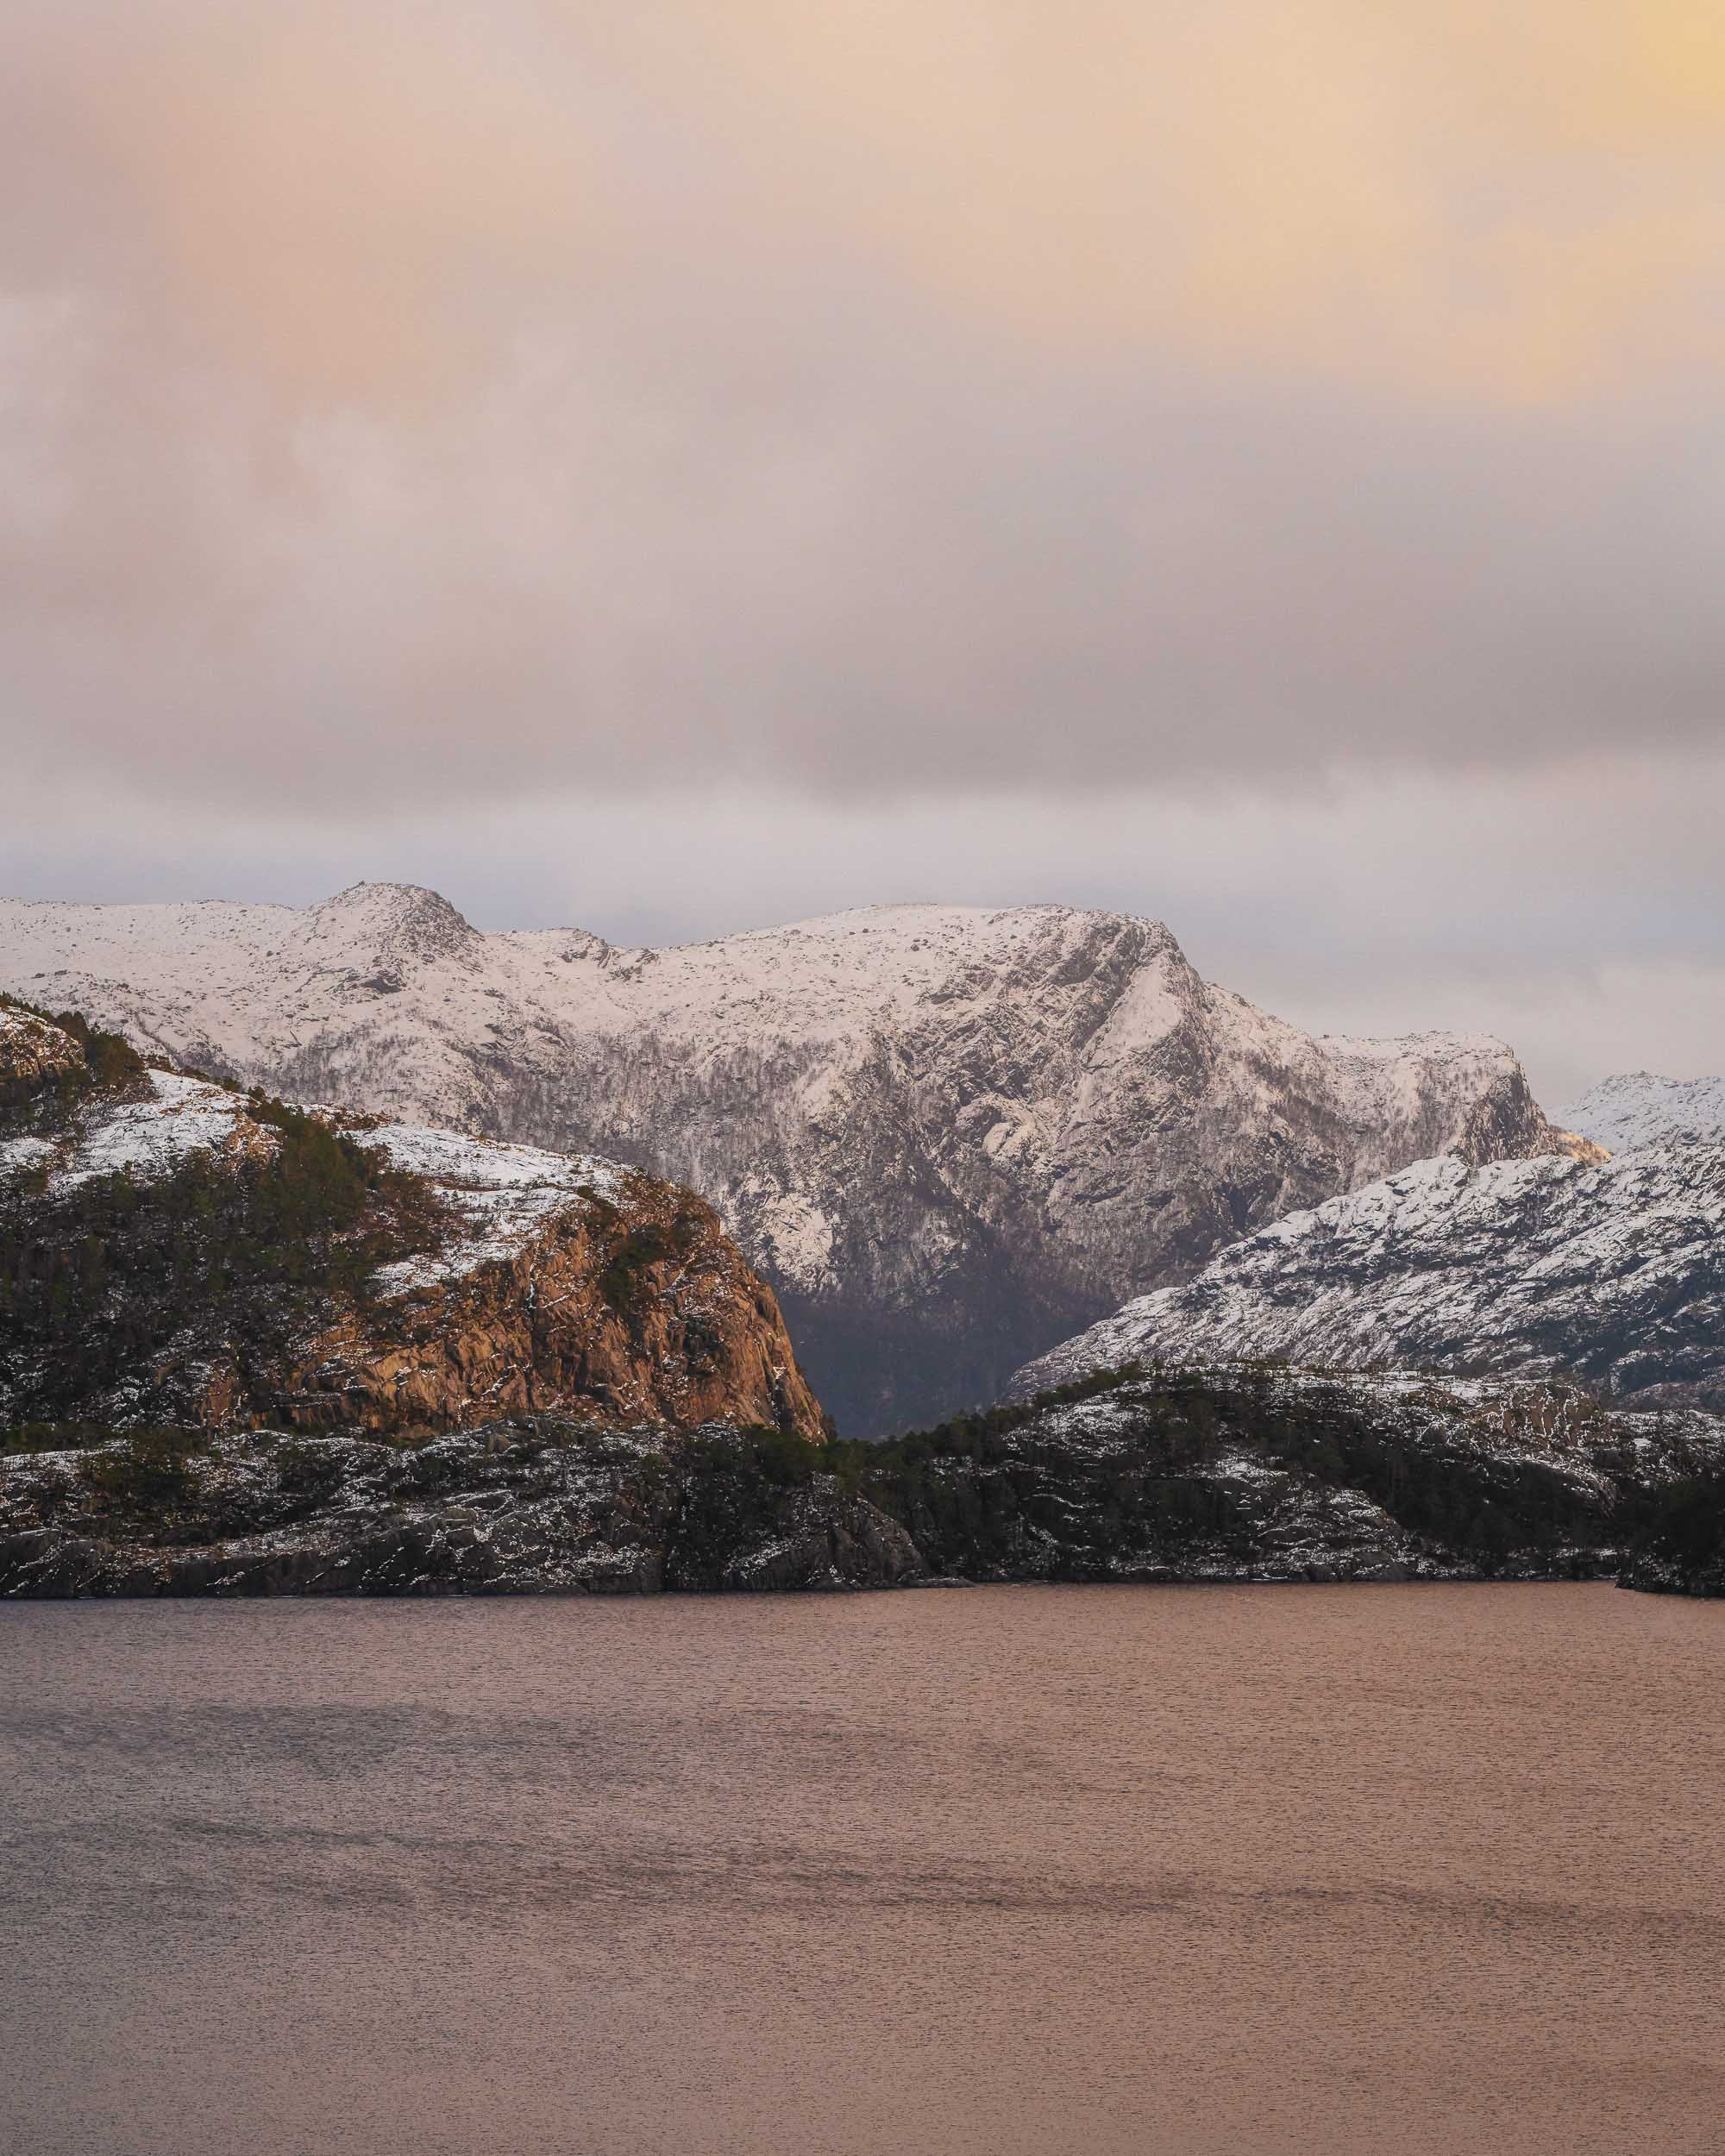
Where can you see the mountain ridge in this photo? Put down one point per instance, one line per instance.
(946, 1134)
(1613, 1272)
(1636, 1108)
(1219, 1473)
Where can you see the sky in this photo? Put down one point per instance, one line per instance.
(674, 464)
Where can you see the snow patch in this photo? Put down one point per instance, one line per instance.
(19, 1156)
(153, 1137)
(503, 1197)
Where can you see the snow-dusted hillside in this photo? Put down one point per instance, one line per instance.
(498, 1197)
(174, 1251)
(1637, 1109)
(947, 1134)
(1616, 1273)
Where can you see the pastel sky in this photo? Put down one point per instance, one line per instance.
(669, 465)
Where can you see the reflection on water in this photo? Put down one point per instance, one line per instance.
(1250, 1870)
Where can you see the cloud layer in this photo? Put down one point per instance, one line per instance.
(1249, 415)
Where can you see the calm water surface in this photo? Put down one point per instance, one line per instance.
(1098, 1869)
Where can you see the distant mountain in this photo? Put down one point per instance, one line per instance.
(174, 1253)
(948, 1135)
(1638, 1109)
(1613, 1273)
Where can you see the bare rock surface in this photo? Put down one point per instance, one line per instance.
(33, 1053)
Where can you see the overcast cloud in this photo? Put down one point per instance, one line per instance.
(674, 465)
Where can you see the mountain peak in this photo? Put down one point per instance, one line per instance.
(395, 920)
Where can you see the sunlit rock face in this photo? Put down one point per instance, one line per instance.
(34, 1054)
(947, 1135)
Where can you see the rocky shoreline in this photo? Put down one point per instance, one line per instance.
(1217, 1475)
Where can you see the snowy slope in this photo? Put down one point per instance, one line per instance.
(1617, 1273)
(1636, 1108)
(947, 1134)
(500, 1197)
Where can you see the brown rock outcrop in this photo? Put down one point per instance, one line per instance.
(641, 1310)
(34, 1053)
(1574, 1146)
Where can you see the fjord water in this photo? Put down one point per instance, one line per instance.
(1115, 1869)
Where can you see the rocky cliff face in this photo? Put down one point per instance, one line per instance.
(1216, 1474)
(948, 1135)
(38, 1060)
(174, 1252)
(1616, 1273)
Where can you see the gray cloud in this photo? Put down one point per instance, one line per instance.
(453, 399)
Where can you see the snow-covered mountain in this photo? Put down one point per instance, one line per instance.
(1616, 1273)
(1637, 1109)
(947, 1134)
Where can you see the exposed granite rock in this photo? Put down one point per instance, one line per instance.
(1574, 1146)
(34, 1053)
(697, 1335)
